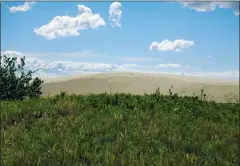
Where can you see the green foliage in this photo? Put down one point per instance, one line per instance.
(15, 83)
(119, 129)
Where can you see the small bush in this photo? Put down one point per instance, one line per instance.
(66, 107)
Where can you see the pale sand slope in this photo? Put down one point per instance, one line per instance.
(140, 83)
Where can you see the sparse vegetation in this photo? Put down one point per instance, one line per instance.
(203, 95)
(119, 129)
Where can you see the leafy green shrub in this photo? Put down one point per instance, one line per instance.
(15, 82)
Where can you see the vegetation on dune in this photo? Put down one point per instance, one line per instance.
(119, 129)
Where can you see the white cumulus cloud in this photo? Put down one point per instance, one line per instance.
(167, 45)
(115, 14)
(63, 26)
(22, 8)
(210, 6)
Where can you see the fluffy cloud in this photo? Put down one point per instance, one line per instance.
(115, 14)
(22, 8)
(169, 65)
(210, 6)
(63, 26)
(167, 45)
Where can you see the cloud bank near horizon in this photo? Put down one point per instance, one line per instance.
(61, 68)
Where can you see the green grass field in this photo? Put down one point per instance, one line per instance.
(119, 129)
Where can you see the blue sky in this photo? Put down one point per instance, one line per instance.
(180, 37)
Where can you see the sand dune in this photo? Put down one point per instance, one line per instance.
(140, 83)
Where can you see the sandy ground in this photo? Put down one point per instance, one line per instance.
(140, 83)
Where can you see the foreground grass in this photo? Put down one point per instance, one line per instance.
(120, 129)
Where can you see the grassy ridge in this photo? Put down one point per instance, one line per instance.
(119, 129)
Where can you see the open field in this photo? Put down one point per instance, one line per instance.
(140, 127)
(119, 129)
(140, 83)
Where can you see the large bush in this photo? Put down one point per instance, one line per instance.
(15, 82)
